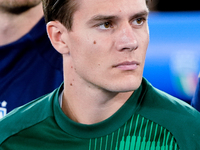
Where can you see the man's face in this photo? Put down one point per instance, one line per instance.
(108, 44)
(18, 4)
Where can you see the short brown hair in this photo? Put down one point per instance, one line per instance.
(62, 11)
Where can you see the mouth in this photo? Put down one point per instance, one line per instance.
(127, 65)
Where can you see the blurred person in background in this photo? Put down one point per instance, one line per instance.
(29, 65)
(196, 99)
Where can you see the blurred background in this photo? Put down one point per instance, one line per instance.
(173, 56)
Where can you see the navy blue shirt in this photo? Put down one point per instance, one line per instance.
(29, 67)
(196, 99)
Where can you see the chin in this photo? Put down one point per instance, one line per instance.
(133, 83)
(127, 86)
(130, 88)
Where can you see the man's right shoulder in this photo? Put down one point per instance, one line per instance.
(26, 116)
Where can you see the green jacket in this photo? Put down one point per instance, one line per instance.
(149, 120)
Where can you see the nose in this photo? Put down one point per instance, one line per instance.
(126, 38)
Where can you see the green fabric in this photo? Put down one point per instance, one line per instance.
(149, 120)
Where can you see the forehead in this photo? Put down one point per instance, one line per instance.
(111, 7)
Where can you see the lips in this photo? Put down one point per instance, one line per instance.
(127, 65)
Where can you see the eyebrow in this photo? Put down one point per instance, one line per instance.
(97, 18)
(142, 13)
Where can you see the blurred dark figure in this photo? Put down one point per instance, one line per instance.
(29, 66)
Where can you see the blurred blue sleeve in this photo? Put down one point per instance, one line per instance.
(196, 98)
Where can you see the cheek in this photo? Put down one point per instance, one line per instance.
(86, 53)
(88, 49)
(145, 41)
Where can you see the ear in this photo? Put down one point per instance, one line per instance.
(58, 36)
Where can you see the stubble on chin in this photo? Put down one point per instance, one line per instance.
(18, 6)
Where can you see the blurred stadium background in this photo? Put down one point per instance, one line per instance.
(173, 56)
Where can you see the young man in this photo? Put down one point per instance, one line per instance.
(30, 66)
(104, 102)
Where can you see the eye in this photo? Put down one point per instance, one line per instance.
(105, 25)
(139, 21)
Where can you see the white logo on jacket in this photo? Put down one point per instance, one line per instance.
(3, 110)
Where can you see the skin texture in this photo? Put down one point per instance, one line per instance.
(18, 4)
(17, 17)
(105, 55)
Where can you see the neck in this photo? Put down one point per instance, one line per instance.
(88, 110)
(89, 105)
(14, 26)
